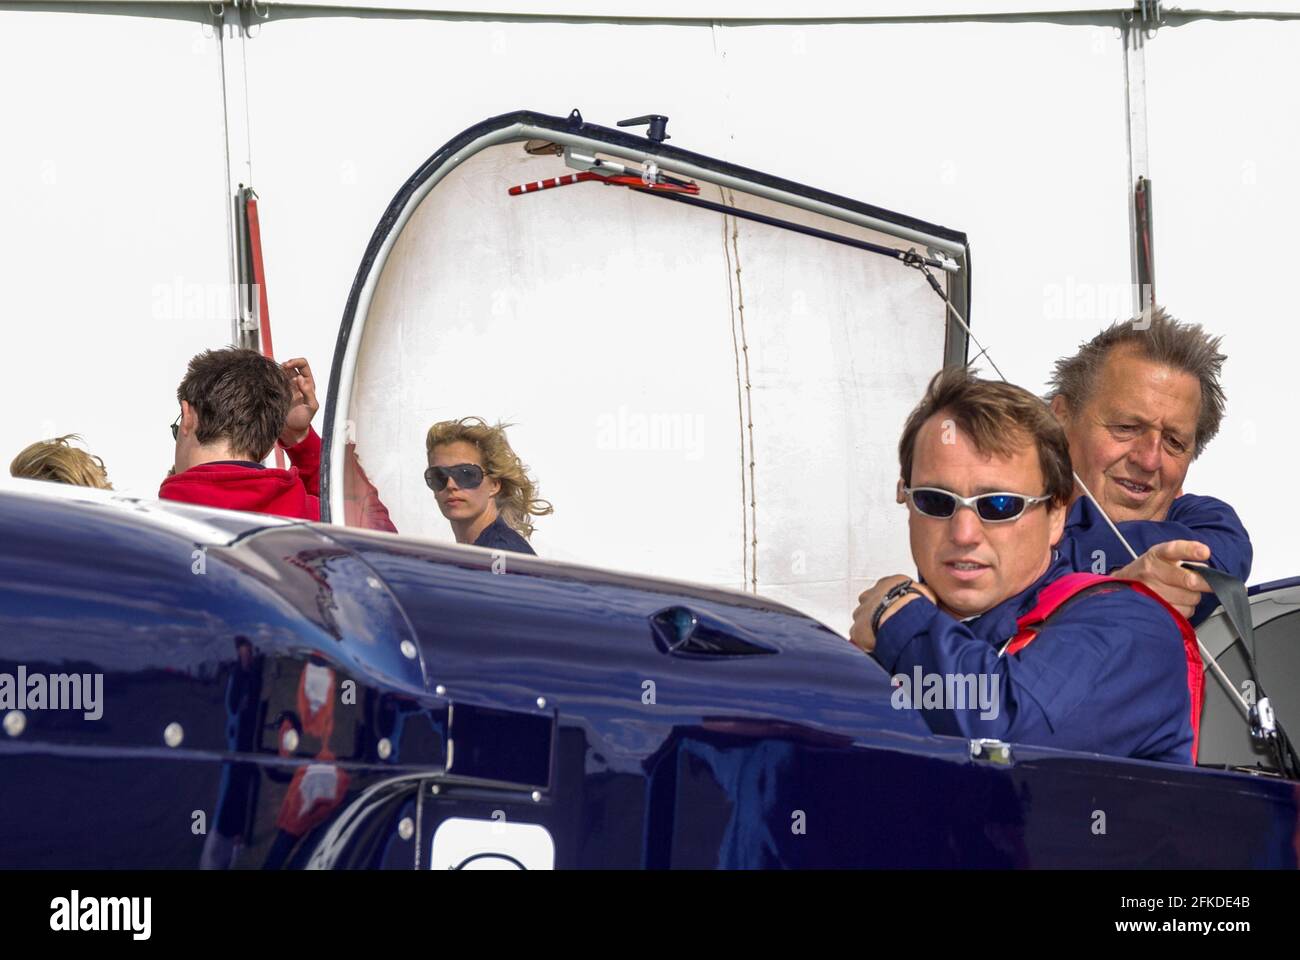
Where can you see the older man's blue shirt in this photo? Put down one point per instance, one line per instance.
(1091, 546)
(1107, 674)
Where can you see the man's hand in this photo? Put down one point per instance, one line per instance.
(304, 404)
(860, 635)
(1158, 569)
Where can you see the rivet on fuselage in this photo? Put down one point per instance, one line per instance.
(406, 828)
(541, 703)
(440, 690)
(537, 796)
(15, 723)
(173, 735)
(385, 748)
(408, 649)
(289, 742)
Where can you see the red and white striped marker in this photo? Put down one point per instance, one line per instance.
(613, 181)
(553, 182)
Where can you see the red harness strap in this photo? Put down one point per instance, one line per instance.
(1056, 593)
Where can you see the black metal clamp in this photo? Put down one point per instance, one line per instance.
(658, 131)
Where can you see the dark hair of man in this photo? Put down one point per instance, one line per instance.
(999, 419)
(1157, 337)
(239, 396)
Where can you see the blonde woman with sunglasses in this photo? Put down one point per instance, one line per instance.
(481, 485)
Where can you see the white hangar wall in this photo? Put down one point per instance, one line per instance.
(1224, 114)
(113, 231)
(115, 254)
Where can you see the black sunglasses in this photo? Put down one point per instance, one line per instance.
(467, 476)
(176, 426)
(989, 507)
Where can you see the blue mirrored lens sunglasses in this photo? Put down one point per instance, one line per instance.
(989, 507)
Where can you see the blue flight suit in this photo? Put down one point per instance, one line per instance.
(1106, 674)
(499, 535)
(1088, 539)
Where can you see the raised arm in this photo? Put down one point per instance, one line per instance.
(299, 440)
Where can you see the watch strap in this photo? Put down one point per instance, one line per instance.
(896, 592)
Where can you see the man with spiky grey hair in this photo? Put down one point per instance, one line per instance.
(1139, 402)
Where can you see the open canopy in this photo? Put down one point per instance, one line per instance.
(708, 384)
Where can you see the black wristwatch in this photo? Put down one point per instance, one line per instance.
(889, 600)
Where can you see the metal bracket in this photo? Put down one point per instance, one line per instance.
(1263, 722)
(985, 750)
(1147, 15)
(948, 264)
(590, 163)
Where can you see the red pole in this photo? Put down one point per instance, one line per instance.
(259, 281)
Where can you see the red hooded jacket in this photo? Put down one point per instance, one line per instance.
(285, 493)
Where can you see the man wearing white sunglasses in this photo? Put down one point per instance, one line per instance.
(1081, 662)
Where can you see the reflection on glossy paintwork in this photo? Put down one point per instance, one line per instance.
(228, 829)
(317, 788)
(311, 739)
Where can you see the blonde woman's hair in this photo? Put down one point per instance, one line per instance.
(61, 462)
(517, 502)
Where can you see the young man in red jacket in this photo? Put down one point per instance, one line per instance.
(235, 406)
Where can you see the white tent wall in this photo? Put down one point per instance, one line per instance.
(113, 233)
(823, 445)
(517, 309)
(1224, 116)
(1013, 131)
